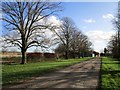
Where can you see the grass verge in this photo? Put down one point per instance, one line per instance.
(110, 74)
(14, 73)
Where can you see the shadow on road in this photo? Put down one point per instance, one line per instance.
(81, 75)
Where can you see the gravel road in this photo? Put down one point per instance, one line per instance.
(81, 75)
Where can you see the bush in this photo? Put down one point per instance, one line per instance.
(33, 56)
(49, 55)
(40, 56)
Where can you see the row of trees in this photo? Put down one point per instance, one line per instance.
(26, 23)
(114, 43)
(71, 40)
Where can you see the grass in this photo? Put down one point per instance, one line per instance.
(110, 74)
(14, 73)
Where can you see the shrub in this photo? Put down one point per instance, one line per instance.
(49, 55)
(32, 56)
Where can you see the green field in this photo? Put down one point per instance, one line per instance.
(14, 73)
(110, 74)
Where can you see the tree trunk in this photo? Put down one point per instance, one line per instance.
(23, 50)
(73, 54)
(119, 44)
(82, 55)
(24, 60)
(66, 55)
(79, 55)
(67, 50)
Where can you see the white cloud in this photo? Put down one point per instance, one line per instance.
(108, 16)
(54, 20)
(99, 35)
(99, 38)
(90, 21)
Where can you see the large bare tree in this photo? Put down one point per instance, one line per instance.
(64, 32)
(24, 22)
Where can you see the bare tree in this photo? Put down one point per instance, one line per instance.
(71, 39)
(83, 45)
(114, 44)
(24, 23)
(64, 32)
(74, 42)
(78, 42)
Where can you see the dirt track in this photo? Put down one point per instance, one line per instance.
(81, 75)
